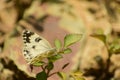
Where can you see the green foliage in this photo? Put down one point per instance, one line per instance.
(68, 50)
(77, 75)
(101, 37)
(113, 47)
(58, 44)
(37, 64)
(41, 76)
(48, 66)
(71, 39)
(55, 57)
(62, 75)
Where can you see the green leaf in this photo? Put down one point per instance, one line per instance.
(71, 39)
(55, 57)
(68, 50)
(77, 75)
(101, 37)
(41, 76)
(80, 78)
(62, 75)
(58, 44)
(37, 64)
(50, 66)
(114, 48)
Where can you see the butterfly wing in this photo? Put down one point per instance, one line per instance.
(34, 45)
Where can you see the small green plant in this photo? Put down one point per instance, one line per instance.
(60, 50)
(113, 47)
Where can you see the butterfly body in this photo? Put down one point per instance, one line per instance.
(35, 47)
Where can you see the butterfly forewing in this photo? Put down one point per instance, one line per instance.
(34, 45)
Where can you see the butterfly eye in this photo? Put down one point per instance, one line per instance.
(38, 39)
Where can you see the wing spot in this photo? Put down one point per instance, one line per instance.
(25, 42)
(38, 39)
(27, 35)
(25, 54)
(27, 58)
(26, 51)
(33, 46)
(30, 57)
(24, 35)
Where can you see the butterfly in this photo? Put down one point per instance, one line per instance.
(36, 48)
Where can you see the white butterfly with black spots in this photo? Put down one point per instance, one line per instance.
(35, 47)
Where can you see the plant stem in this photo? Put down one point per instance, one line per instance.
(106, 69)
(53, 73)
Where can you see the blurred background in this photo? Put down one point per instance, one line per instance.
(54, 19)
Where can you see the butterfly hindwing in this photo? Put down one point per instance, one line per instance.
(34, 45)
